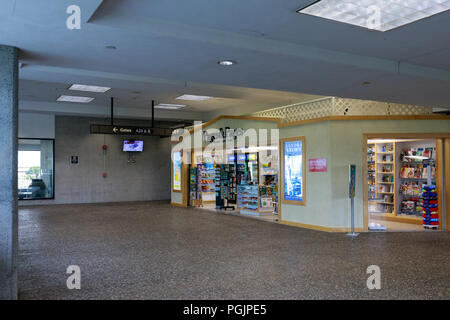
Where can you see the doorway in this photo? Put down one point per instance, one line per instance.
(404, 183)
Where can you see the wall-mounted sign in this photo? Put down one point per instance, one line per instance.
(74, 159)
(317, 165)
(293, 170)
(222, 134)
(176, 174)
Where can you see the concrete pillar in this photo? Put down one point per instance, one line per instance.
(8, 171)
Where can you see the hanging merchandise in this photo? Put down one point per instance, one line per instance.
(430, 207)
(247, 179)
(193, 191)
(220, 192)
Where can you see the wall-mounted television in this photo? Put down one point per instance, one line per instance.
(133, 145)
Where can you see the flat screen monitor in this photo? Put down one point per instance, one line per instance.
(133, 145)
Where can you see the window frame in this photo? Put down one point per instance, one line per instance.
(53, 168)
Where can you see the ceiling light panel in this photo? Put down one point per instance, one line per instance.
(193, 97)
(83, 87)
(381, 15)
(169, 106)
(74, 99)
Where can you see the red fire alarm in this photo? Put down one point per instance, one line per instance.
(105, 175)
(105, 147)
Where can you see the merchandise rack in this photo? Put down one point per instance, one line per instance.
(415, 184)
(379, 207)
(206, 183)
(248, 198)
(384, 164)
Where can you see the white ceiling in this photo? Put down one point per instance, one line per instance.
(166, 48)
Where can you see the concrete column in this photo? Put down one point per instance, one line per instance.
(8, 171)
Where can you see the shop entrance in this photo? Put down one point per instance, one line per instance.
(405, 180)
(244, 182)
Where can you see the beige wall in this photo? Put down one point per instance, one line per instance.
(327, 203)
(340, 142)
(318, 184)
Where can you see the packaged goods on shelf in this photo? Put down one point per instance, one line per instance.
(430, 205)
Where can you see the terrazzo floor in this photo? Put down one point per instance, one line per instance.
(150, 250)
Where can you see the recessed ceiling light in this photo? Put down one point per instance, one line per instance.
(226, 62)
(74, 99)
(82, 87)
(169, 106)
(193, 97)
(378, 15)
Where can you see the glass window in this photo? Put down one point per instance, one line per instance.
(36, 169)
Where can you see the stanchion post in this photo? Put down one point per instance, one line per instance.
(351, 194)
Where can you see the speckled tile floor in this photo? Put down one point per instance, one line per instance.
(149, 250)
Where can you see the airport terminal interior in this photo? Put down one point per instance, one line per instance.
(224, 149)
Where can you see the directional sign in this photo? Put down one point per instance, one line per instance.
(130, 130)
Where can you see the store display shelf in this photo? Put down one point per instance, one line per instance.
(385, 162)
(397, 218)
(385, 192)
(379, 213)
(380, 202)
(406, 162)
(411, 213)
(249, 211)
(385, 182)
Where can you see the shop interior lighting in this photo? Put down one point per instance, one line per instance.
(417, 157)
(380, 15)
